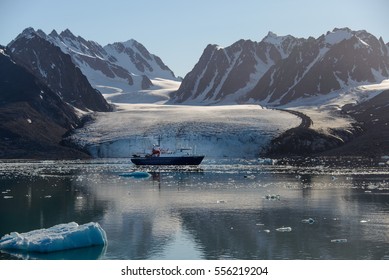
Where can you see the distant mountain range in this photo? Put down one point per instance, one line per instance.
(48, 83)
(278, 70)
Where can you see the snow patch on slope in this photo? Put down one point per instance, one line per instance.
(158, 94)
(338, 35)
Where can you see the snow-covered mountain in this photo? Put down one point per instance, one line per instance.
(226, 74)
(279, 70)
(128, 66)
(340, 59)
(55, 69)
(118, 67)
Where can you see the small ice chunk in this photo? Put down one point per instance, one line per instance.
(372, 187)
(137, 174)
(341, 240)
(284, 229)
(57, 238)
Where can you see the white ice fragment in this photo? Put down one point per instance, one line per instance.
(284, 229)
(56, 238)
(342, 240)
(372, 187)
(29, 121)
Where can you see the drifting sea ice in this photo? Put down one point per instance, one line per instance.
(57, 238)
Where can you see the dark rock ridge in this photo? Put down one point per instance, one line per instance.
(302, 141)
(33, 118)
(372, 116)
(55, 69)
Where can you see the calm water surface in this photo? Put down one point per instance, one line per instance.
(227, 209)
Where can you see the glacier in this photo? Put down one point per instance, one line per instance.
(57, 238)
(232, 131)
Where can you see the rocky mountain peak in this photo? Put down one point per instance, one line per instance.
(54, 33)
(28, 33)
(68, 34)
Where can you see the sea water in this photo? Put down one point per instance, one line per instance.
(222, 209)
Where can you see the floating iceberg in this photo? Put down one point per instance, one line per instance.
(57, 238)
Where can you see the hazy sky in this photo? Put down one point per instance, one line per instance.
(179, 30)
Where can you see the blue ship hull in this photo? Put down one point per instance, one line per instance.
(183, 160)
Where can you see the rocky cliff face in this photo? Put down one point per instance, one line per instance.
(33, 118)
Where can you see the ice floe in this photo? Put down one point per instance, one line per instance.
(57, 238)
